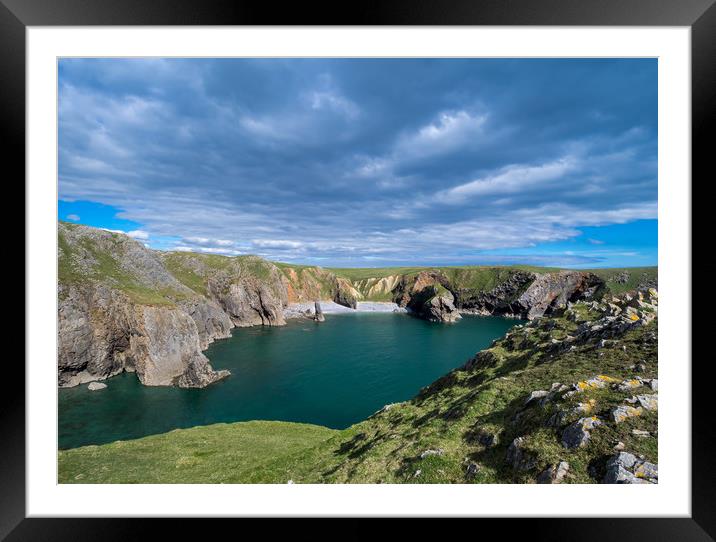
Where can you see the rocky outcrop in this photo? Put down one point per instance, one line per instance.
(434, 296)
(497, 301)
(345, 294)
(551, 292)
(248, 302)
(626, 468)
(102, 332)
(426, 296)
(318, 313)
(120, 309)
(211, 321)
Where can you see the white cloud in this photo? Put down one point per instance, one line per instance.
(512, 179)
(74, 218)
(451, 130)
(326, 100)
(207, 250)
(276, 243)
(138, 234)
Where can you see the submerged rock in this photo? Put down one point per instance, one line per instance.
(93, 386)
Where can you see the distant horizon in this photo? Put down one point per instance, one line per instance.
(367, 163)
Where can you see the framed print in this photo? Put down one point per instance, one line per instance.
(407, 265)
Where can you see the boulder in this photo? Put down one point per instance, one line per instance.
(626, 468)
(578, 434)
(554, 474)
(535, 395)
(471, 470)
(94, 386)
(622, 412)
(518, 457)
(647, 402)
(428, 453)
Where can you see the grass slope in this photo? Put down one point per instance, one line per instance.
(246, 452)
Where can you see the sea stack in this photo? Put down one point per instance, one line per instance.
(319, 313)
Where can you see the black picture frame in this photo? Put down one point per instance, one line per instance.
(699, 15)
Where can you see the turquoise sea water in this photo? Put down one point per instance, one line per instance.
(335, 374)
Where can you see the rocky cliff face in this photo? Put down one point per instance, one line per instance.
(307, 284)
(552, 291)
(426, 296)
(120, 309)
(102, 332)
(434, 296)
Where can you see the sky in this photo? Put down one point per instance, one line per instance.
(367, 162)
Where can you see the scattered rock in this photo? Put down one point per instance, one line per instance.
(577, 435)
(417, 473)
(647, 402)
(640, 433)
(627, 385)
(653, 383)
(557, 419)
(596, 382)
(619, 446)
(472, 470)
(486, 439)
(93, 386)
(554, 474)
(290, 482)
(539, 394)
(518, 457)
(585, 407)
(626, 468)
(622, 412)
(428, 453)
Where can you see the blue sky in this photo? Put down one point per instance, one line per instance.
(367, 162)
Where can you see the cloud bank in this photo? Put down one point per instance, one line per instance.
(361, 161)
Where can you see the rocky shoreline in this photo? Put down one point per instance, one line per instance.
(303, 310)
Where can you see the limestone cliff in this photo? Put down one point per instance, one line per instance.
(436, 296)
(120, 310)
(427, 296)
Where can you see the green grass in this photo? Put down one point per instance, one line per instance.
(246, 452)
(107, 269)
(637, 275)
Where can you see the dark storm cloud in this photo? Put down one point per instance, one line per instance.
(361, 160)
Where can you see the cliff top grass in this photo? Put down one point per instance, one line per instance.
(102, 266)
(245, 452)
(193, 269)
(448, 417)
